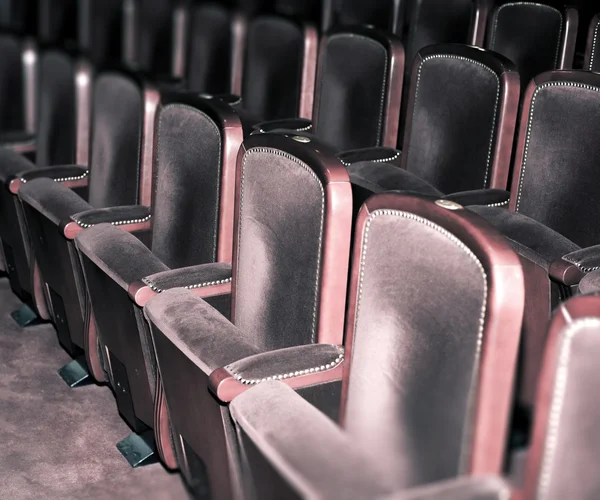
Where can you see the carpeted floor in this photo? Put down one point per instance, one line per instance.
(56, 442)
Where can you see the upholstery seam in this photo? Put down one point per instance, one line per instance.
(530, 126)
(557, 404)
(61, 179)
(493, 135)
(516, 4)
(499, 204)
(452, 238)
(380, 160)
(320, 244)
(324, 367)
(204, 284)
(301, 129)
(579, 266)
(114, 223)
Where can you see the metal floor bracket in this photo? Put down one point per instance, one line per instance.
(25, 316)
(139, 449)
(75, 373)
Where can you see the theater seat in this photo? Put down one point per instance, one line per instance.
(592, 53)
(433, 327)
(119, 174)
(459, 132)
(62, 138)
(357, 92)
(190, 223)
(288, 290)
(536, 37)
(552, 214)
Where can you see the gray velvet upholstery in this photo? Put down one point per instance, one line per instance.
(114, 215)
(561, 159)
(281, 224)
(58, 173)
(464, 488)
(380, 177)
(52, 200)
(590, 283)
(408, 344)
(12, 164)
(273, 67)
(203, 275)
(200, 332)
(529, 34)
(296, 124)
(488, 197)
(116, 141)
(351, 91)
(377, 154)
(119, 254)
(527, 232)
(186, 187)
(586, 259)
(319, 460)
(286, 363)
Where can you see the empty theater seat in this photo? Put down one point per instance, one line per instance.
(551, 213)
(119, 173)
(190, 223)
(592, 54)
(536, 37)
(459, 131)
(357, 92)
(433, 323)
(287, 292)
(100, 31)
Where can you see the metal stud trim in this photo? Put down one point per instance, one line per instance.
(284, 376)
(116, 222)
(499, 204)
(579, 266)
(63, 179)
(204, 284)
(594, 44)
(380, 160)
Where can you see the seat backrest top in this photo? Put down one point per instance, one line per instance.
(530, 34)
(57, 21)
(100, 30)
(293, 218)
(12, 114)
(434, 291)
(56, 134)
(561, 460)
(381, 14)
(354, 82)
(555, 177)
(273, 68)
(461, 118)
(117, 122)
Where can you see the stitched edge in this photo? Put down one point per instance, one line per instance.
(519, 4)
(467, 250)
(499, 204)
(579, 266)
(327, 366)
(594, 44)
(494, 118)
(115, 222)
(62, 179)
(301, 129)
(558, 398)
(530, 127)
(203, 284)
(381, 160)
(320, 244)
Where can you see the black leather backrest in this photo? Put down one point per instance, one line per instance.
(436, 21)
(558, 183)
(100, 30)
(186, 187)
(209, 49)
(11, 84)
(594, 48)
(351, 91)
(377, 13)
(273, 68)
(422, 297)
(116, 141)
(57, 21)
(56, 135)
(529, 34)
(280, 230)
(452, 129)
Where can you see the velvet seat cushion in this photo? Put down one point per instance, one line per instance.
(526, 234)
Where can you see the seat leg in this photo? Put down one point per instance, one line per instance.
(139, 449)
(25, 316)
(75, 373)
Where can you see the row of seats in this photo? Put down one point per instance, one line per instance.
(251, 223)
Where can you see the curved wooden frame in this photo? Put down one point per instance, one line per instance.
(502, 324)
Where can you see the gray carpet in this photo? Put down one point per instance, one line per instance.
(56, 442)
